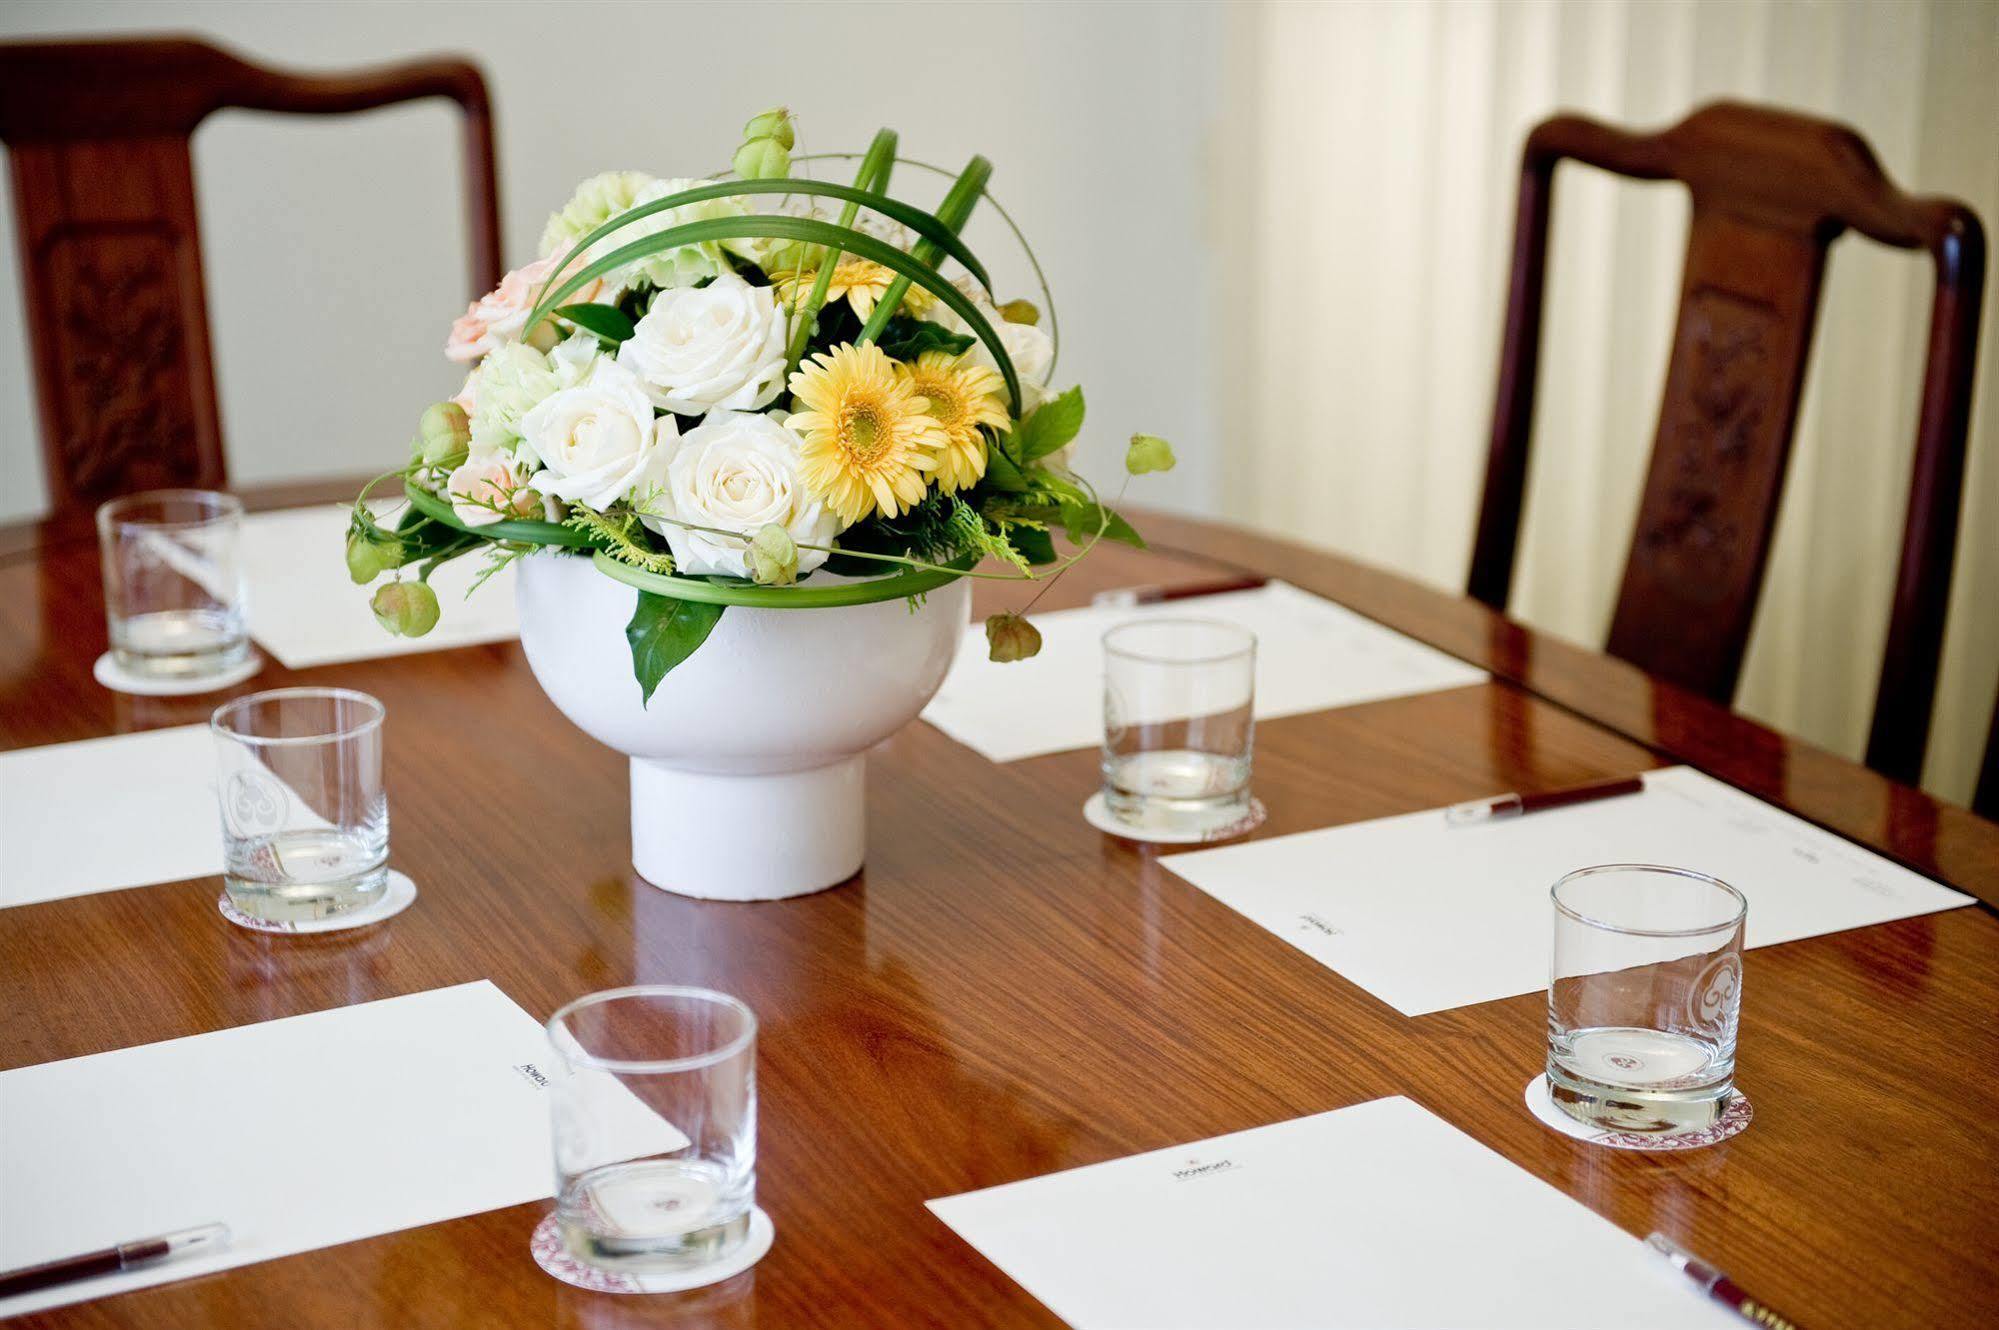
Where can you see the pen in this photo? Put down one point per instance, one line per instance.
(1515, 805)
(1719, 1286)
(1153, 595)
(124, 1256)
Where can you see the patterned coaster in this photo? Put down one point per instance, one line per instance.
(395, 899)
(120, 680)
(1097, 812)
(552, 1256)
(1543, 1106)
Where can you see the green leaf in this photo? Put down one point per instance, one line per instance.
(1049, 426)
(776, 226)
(1002, 474)
(1081, 520)
(607, 321)
(663, 632)
(905, 339)
(1036, 546)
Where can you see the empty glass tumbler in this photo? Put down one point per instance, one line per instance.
(654, 1115)
(1178, 723)
(305, 820)
(174, 595)
(1644, 997)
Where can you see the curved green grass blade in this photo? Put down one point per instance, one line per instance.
(524, 531)
(794, 228)
(954, 212)
(912, 583)
(924, 224)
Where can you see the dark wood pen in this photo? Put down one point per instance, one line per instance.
(1719, 1286)
(1517, 805)
(109, 1260)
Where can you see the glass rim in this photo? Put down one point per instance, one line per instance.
(110, 512)
(217, 720)
(652, 1066)
(1245, 638)
(1733, 921)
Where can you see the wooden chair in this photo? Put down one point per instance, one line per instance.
(1770, 191)
(97, 132)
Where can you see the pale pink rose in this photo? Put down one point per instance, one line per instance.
(497, 317)
(487, 490)
(467, 396)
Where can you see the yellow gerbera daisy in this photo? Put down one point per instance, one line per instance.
(860, 282)
(962, 397)
(868, 441)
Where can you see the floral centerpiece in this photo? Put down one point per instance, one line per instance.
(711, 400)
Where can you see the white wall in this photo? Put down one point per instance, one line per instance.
(1372, 235)
(335, 247)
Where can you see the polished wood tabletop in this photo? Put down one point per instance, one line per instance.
(1004, 992)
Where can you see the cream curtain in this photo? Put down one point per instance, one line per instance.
(1369, 161)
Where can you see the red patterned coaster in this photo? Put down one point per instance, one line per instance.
(1542, 1105)
(552, 1256)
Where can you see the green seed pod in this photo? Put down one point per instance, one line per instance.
(1010, 637)
(1020, 311)
(407, 609)
(1148, 452)
(364, 558)
(772, 124)
(762, 159)
(773, 557)
(443, 434)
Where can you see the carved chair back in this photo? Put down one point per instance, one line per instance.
(97, 135)
(1770, 192)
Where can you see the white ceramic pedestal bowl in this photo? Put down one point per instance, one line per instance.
(748, 765)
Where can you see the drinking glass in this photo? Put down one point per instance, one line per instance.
(654, 1111)
(174, 595)
(1644, 997)
(1178, 724)
(305, 821)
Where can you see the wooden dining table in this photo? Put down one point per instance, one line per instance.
(1004, 991)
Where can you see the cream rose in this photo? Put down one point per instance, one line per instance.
(498, 317)
(596, 439)
(487, 489)
(714, 347)
(737, 471)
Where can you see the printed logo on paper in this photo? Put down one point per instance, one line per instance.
(1196, 1169)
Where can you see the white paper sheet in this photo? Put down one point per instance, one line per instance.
(1427, 916)
(306, 610)
(105, 814)
(298, 1133)
(1312, 655)
(1373, 1217)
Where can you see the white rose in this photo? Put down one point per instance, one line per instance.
(715, 347)
(595, 440)
(738, 471)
